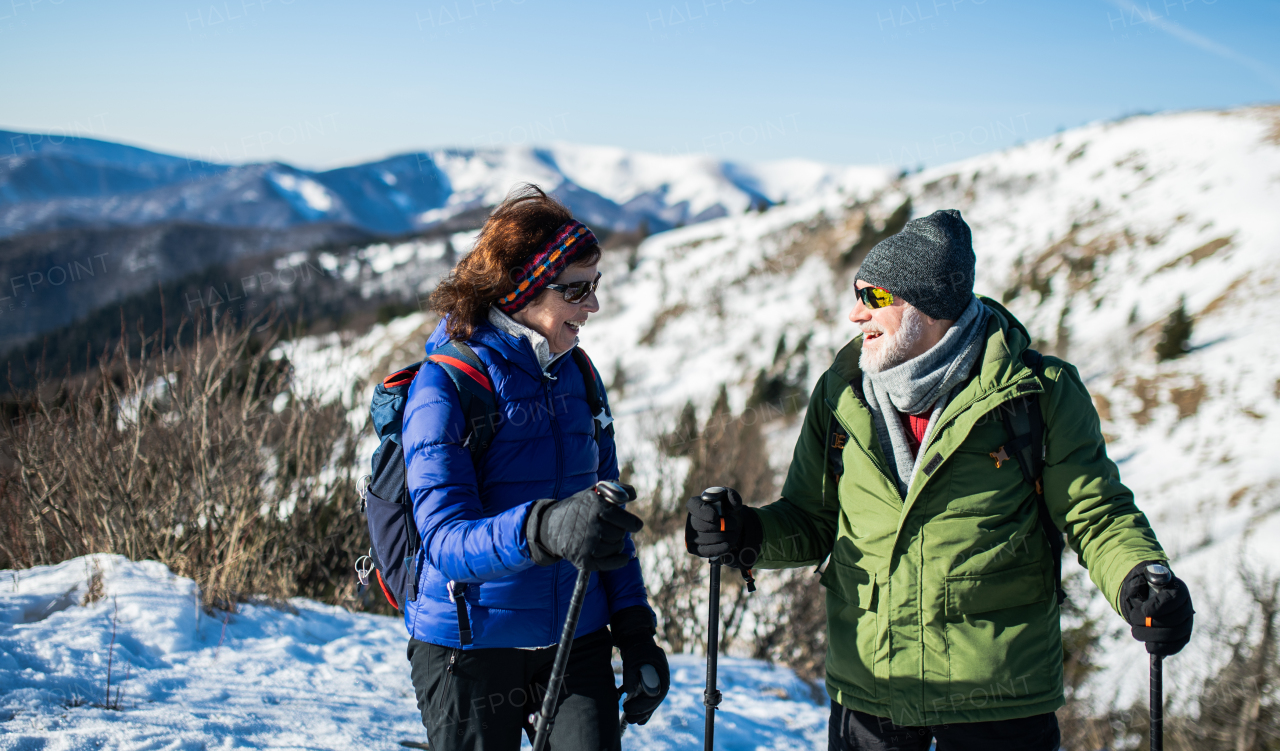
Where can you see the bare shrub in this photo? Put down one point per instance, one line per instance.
(1082, 636)
(1239, 706)
(790, 627)
(730, 451)
(109, 702)
(195, 456)
(94, 590)
(785, 621)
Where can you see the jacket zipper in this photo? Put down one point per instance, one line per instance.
(555, 569)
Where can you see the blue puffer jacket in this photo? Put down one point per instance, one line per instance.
(473, 530)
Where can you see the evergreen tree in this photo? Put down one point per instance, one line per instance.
(1175, 336)
(679, 442)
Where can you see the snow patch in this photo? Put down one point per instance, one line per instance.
(302, 675)
(309, 197)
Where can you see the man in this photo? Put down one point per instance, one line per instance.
(942, 613)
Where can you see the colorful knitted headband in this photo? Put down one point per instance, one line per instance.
(545, 265)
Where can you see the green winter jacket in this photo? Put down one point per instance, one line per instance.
(941, 606)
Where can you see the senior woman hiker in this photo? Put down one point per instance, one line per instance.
(503, 526)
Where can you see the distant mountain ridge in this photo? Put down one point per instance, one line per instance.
(50, 183)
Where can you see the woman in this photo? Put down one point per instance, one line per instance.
(504, 534)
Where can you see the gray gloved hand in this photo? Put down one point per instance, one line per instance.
(584, 529)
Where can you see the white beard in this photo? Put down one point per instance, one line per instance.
(892, 349)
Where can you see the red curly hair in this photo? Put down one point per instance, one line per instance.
(524, 222)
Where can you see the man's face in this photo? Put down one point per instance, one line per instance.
(891, 333)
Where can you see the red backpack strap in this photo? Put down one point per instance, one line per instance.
(467, 369)
(476, 395)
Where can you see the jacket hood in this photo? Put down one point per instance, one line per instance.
(1015, 333)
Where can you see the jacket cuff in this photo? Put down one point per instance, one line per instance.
(632, 624)
(539, 554)
(751, 541)
(1131, 582)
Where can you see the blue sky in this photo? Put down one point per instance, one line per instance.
(322, 83)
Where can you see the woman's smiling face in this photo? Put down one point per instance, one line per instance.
(555, 318)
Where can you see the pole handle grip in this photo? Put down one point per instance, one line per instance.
(613, 492)
(716, 496)
(1157, 575)
(649, 681)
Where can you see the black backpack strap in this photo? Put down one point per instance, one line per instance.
(595, 401)
(837, 438)
(475, 395)
(1024, 424)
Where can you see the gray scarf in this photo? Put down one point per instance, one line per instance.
(922, 384)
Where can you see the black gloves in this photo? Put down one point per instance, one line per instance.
(733, 533)
(584, 529)
(1161, 619)
(633, 629)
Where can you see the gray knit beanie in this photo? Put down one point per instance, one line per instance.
(930, 264)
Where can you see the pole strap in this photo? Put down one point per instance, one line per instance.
(458, 591)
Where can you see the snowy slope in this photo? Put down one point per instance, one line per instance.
(1090, 237)
(300, 676)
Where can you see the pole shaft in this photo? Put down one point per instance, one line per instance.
(1157, 703)
(543, 727)
(712, 697)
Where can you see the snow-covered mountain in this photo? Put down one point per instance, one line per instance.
(1091, 237)
(50, 183)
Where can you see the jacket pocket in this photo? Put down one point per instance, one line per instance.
(855, 586)
(983, 593)
(853, 630)
(1003, 645)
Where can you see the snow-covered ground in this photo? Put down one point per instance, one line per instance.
(304, 676)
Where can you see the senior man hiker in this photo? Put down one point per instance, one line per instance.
(932, 452)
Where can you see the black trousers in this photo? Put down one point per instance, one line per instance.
(482, 699)
(851, 730)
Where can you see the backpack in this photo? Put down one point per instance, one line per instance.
(384, 493)
(1024, 424)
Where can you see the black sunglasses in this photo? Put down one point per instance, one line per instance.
(577, 291)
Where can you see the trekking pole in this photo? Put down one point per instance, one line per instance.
(617, 495)
(1157, 576)
(711, 696)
